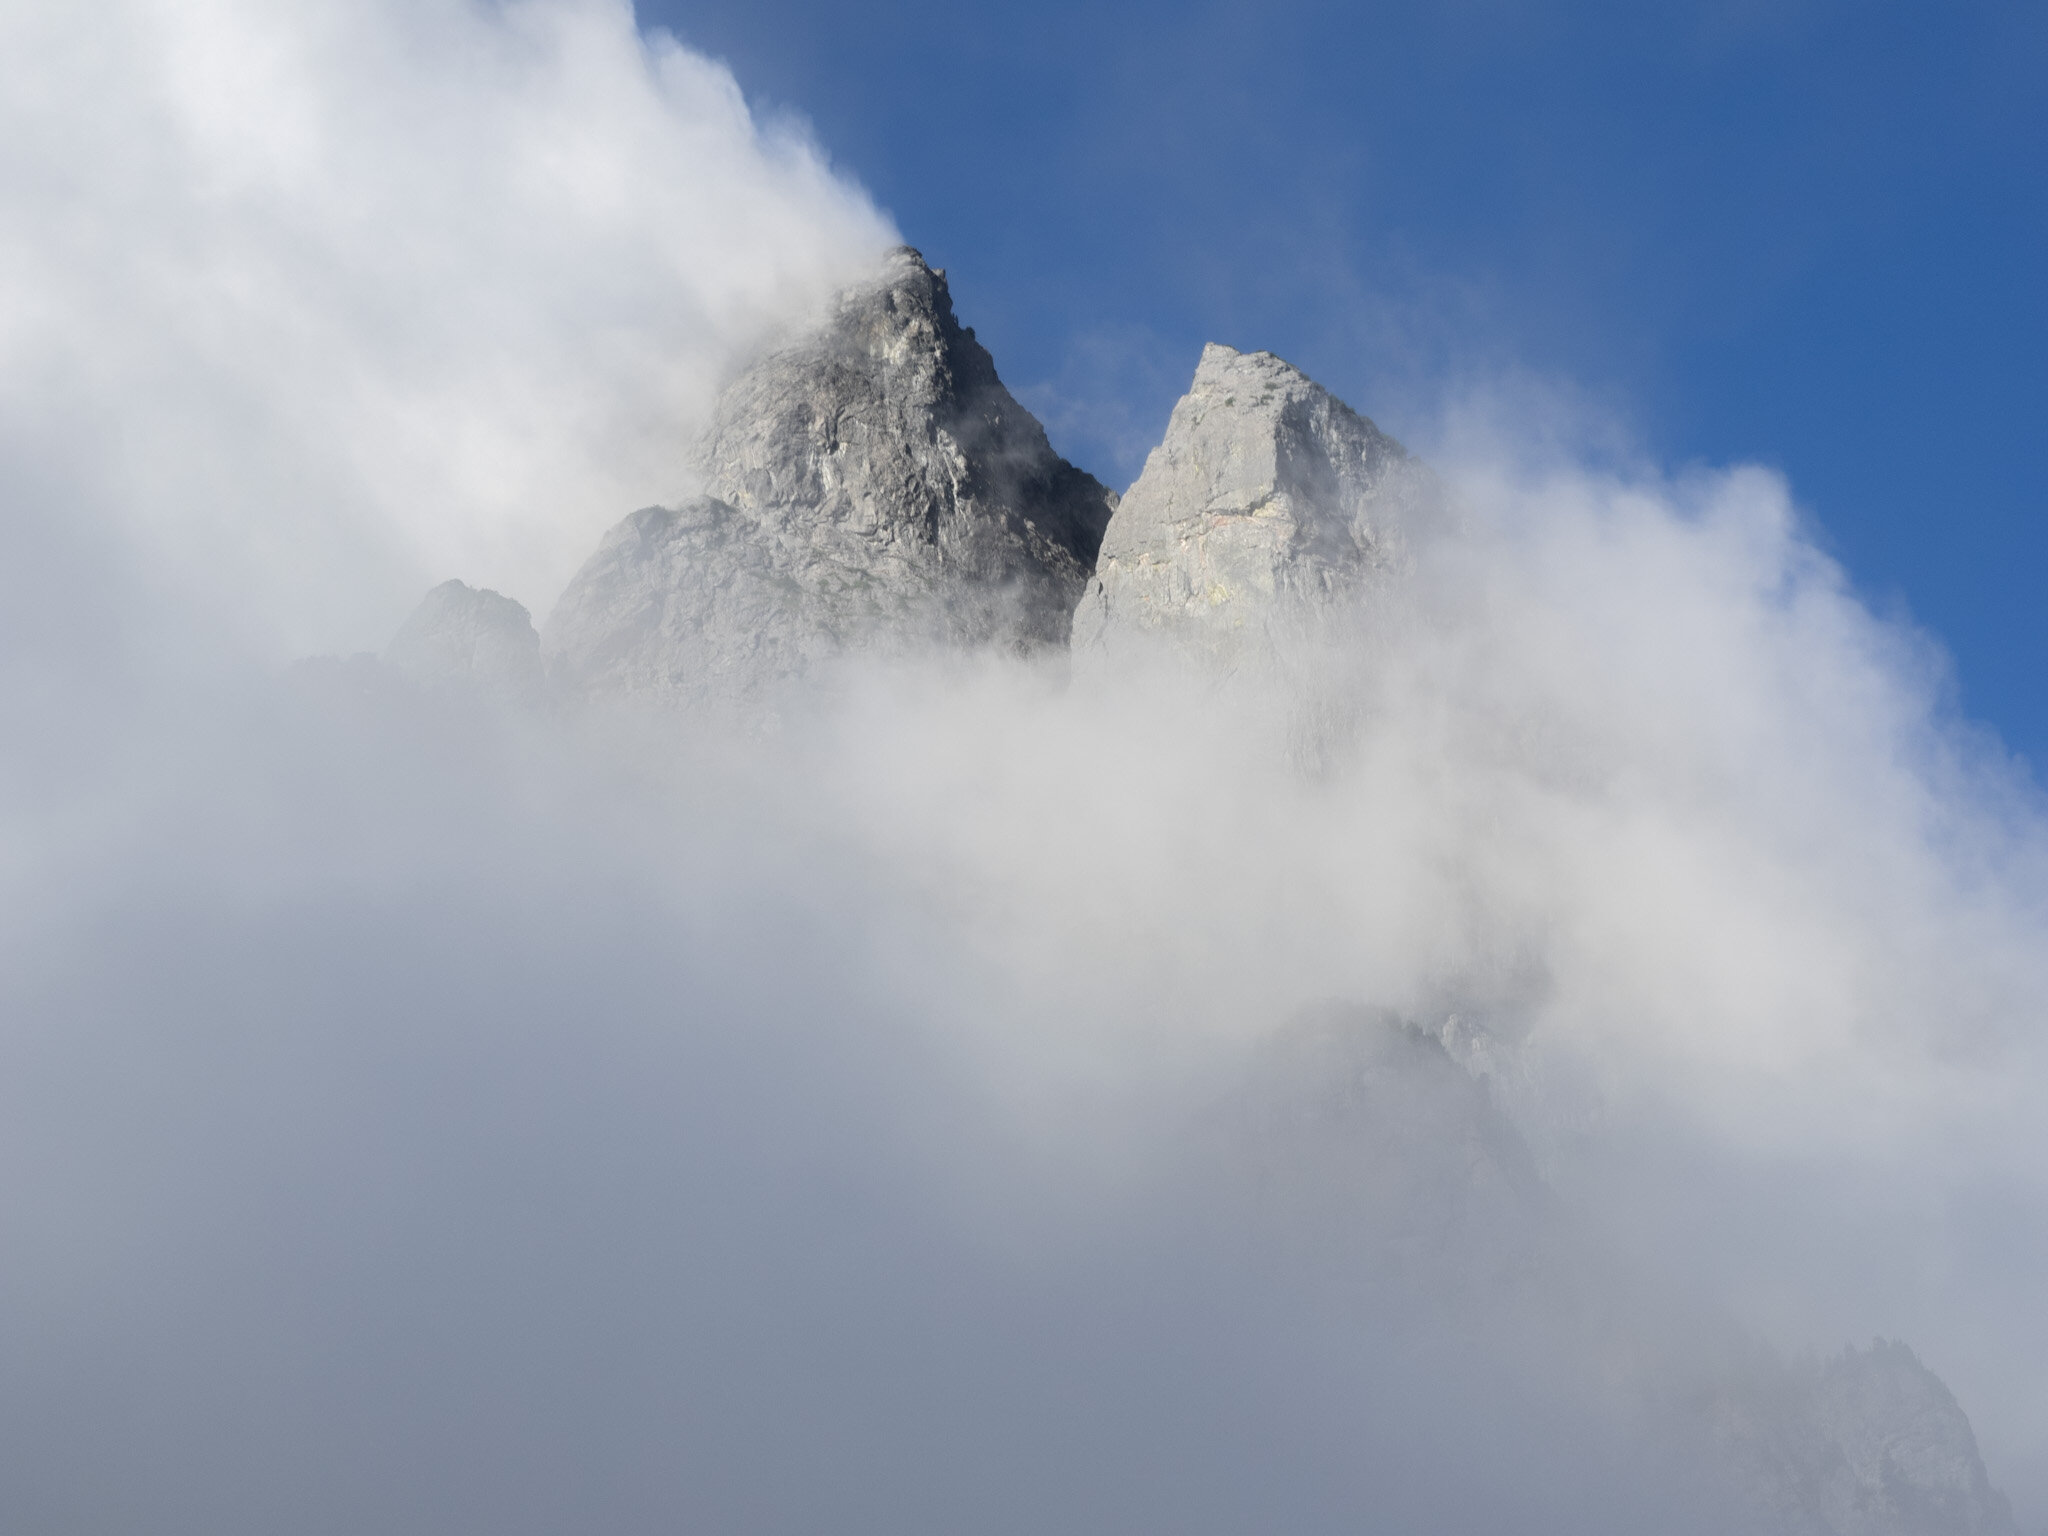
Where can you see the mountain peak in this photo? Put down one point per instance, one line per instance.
(1269, 503)
(871, 484)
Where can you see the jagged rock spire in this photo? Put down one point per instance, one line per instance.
(871, 484)
(1269, 503)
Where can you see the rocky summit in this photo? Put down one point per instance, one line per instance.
(1269, 505)
(872, 485)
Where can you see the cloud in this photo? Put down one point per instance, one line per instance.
(323, 302)
(435, 1114)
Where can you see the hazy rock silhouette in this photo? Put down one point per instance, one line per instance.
(1374, 1152)
(475, 639)
(1868, 1443)
(1357, 1119)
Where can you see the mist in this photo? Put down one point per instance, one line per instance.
(967, 1094)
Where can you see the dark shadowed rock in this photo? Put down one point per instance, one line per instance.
(1269, 506)
(464, 637)
(873, 485)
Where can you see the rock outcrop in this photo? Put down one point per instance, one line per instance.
(469, 638)
(873, 485)
(1269, 507)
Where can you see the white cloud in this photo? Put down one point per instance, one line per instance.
(328, 301)
(413, 1117)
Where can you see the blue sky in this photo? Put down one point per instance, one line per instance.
(1806, 233)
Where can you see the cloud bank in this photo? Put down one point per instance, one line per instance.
(322, 302)
(419, 1115)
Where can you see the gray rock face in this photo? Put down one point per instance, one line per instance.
(1269, 505)
(689, 602)
(463, 637)
(872, 485)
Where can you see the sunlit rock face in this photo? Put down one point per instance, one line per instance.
(1269, 507)
(471, 639)
(872, 486)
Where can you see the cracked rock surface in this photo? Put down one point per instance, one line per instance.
(1268, 507)
(871, 486)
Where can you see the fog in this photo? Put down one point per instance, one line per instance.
(965, 1096)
